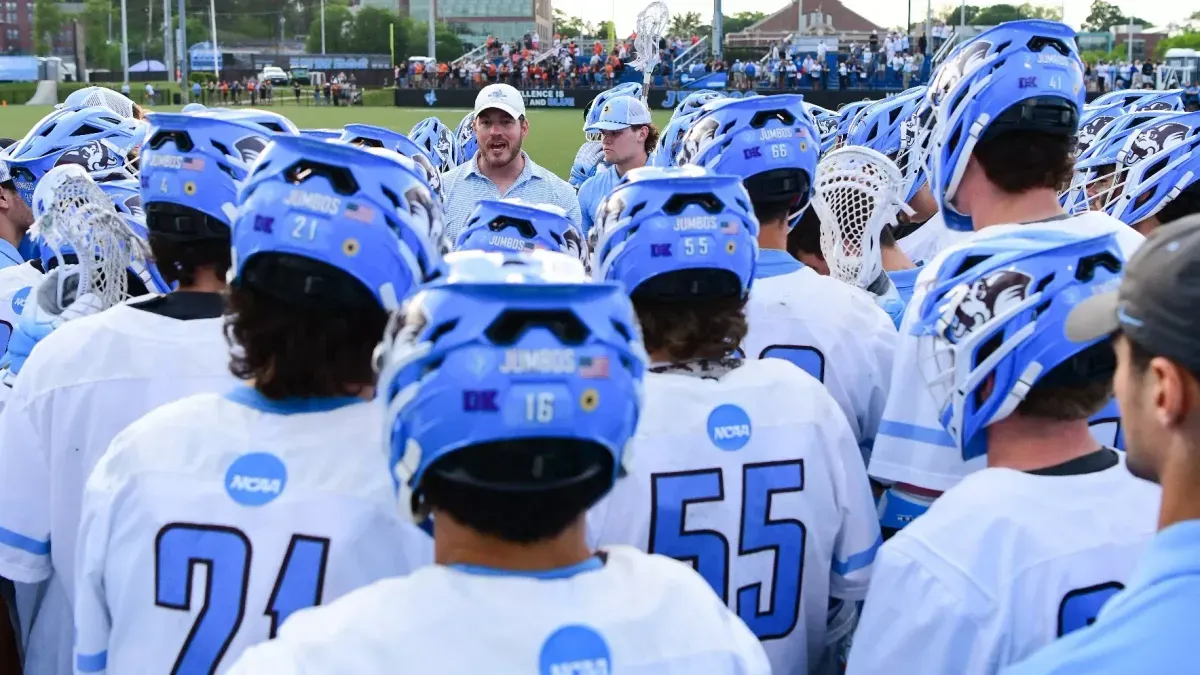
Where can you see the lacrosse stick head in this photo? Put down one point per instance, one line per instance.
(651, 27)
(80, 221)
(857, 194)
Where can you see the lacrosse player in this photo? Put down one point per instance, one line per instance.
(999, 155)
(725, 444)
(512, 390)
(94, 375)
(835, 333)
(1030, 548)
(627, 137)
(276, 486)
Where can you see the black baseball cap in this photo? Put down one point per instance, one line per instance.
(1158, 302)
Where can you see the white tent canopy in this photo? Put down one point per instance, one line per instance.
(150, 66)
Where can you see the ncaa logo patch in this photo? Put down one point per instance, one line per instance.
(256, 479)
(729, 427)
(575, 650)
(19, 299)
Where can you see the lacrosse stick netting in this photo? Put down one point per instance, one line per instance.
(651, 27)
(856, 195)
(81, 220)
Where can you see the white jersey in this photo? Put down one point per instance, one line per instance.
(832, 330)
(931, 238)
(83, 384)
(284, 507)
(16, 284)
(636, 615)
(754, 477)
(912, 446)
(1000, 566)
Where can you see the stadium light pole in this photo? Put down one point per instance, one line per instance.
(212, 25)
(431, 47)
(124, 44)
(184, 53)
(322, 26)
(962, 15)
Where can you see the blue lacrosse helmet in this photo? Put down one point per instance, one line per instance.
(271, 121)
(96, 138)
(126, 196)
(1166, 100)
(509, 347)
(695, 101)
(359, 210)
(371, 136)
(1092, 122)
(845, 116)
(511, 225)
(322, 134)
(468, 144)
(592, 114)
(438, 141)
(1020, 74)
(1092, 186)
(658, 221)
(1123, 97)
(879, 126)
(827, 125)
(1158, 161)
(770, 142)
(671, 140)
(197, 161)
(993, 323)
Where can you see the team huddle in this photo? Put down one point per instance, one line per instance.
(778, 389)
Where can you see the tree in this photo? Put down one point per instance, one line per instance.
(740, 21)
(339, 31)
(1104, 15)
(570, 26)
(951, 15)
(1190, 40)
(604, 29)
(47, 22)
(372, 33)
(685, 24)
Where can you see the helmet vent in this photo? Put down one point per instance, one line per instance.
(705, 200)
(512, 324)
(340, 179)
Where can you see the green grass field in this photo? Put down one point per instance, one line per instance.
(554, 135)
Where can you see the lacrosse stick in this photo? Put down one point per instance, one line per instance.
(82, 221)
(651, 26)
(857, 194)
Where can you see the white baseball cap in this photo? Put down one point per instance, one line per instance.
(620, 113)
(501, 97)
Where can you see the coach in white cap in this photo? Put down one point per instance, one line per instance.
(627, 137)
(500, 168)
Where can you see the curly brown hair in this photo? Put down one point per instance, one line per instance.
(692, 331)
(294, 351)
(1019, 161)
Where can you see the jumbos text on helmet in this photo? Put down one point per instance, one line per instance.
(314, 201)
(551, 361)
(695, 223)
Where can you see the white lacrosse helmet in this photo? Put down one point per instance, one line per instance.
(857, 192)
(101, 96)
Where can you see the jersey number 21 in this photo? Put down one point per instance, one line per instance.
(225, 553)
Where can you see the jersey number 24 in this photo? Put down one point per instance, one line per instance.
(225, 553)
(709, 551)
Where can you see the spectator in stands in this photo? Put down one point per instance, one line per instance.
(817, 73)
(501, 169)
(149, 94)
(751, 70)
(843, 74)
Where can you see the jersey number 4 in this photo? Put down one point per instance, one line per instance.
(708, 550)
(225, 553)
(1080, 607)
